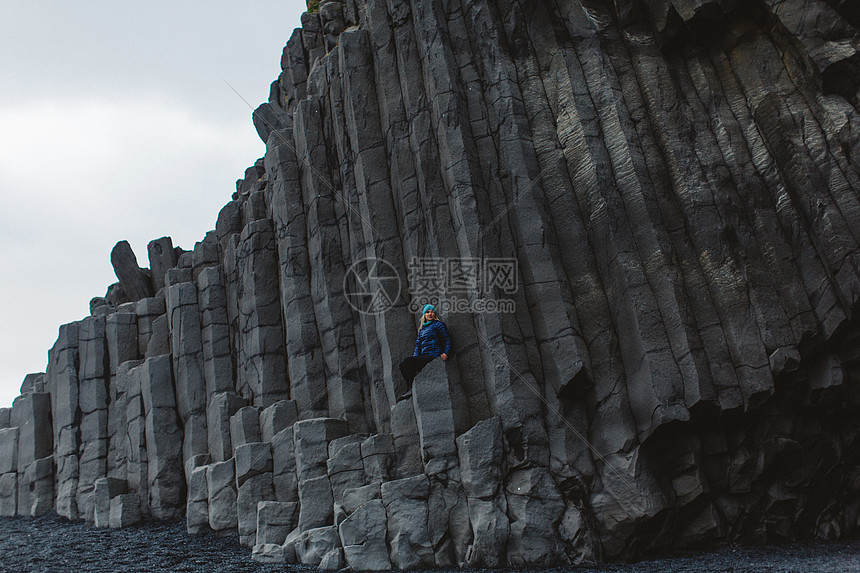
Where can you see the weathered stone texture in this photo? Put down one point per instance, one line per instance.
(481, 451)
(261, 363)
(215, 333)
(31, 416)
(162, 257)
(345, 466)
(434, 415)
(94, 376)
(405, 502)
(105, 490)
(62, 375)
(277, 417)
(121, 332)
(660, 201)
(305, 364)
(9, 450)
(40, 482)
(34, 382)
(362, 535)
(197, 504)
(316, 502)
(135, 282)
(284, 479)
(133, 442)
(252, 491)
(222, 407)
(221, 479)
(187, 352)
(164, 437)
(275, 520)
(312, 438)
(124, 510)
(8, 494)
(123, 347)
(245, 426)
(147, 310)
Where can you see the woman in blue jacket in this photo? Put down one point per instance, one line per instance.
(433, 340)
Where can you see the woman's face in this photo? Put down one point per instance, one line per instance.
(430, 315)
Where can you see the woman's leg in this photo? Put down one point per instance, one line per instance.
(411, 366)
(406, 371)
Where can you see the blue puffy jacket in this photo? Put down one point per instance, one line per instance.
(433, 339)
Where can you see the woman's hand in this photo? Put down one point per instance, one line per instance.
(443, 356)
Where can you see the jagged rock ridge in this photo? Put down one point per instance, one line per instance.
(677, 182)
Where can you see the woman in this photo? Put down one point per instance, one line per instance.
(433, 340)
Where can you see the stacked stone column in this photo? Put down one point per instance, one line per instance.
(31, 413)
(164, 440)
(121, 332)
(93, 374)
(62, 381)
(187, 355)
(8, 469)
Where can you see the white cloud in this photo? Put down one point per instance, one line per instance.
(115, 124)
(78, 177)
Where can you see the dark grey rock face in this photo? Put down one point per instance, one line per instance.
(663, 201)
(162, 258)
(134, 281)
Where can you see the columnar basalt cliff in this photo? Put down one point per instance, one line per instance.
(678, 185)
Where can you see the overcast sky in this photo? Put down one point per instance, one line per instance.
(116, 122)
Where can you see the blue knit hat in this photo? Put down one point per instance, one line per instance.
(428, 307)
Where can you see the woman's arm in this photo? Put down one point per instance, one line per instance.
(446, 339)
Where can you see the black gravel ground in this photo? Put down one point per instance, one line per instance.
(52, 544)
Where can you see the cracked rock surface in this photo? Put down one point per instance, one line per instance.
(663, 198)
